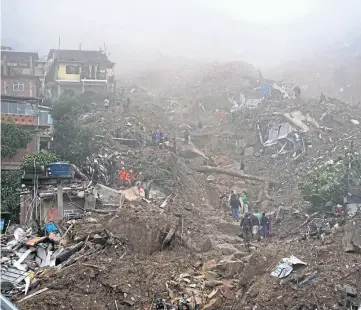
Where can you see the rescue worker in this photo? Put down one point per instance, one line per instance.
(186, 137)
(322, 98)
(200, 125)
(142, 137)
(235, 204)
(106, 104)
(140, 180)
(242, 166)
(256, 217)
(245, 203)
(154, 138)
(264, 222)
(130, 178)
(123, 176)
(174, 145)
(297, 92)
(247, 224)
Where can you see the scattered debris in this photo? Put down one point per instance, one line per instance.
(285, 267)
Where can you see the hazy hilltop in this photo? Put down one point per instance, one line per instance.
(335, 70)
(135, 33)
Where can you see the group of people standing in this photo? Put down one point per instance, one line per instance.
(162, 141)
(253, 223)
(108, 103)
(127, 178)
(238, 203)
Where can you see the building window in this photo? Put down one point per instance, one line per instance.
(70, 69)
(13, 108)
(4, 107)
(43, 117)
(18, 86)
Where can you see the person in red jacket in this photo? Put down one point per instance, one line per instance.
(123, 176)
(130, 178)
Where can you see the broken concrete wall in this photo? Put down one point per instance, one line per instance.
(107, 194)
(49, 208)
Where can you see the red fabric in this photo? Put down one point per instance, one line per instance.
(123, 175)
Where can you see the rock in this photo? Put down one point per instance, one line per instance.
(226, 292)
(212, 283)
(249, 151)
(211, 178)
(351, 240)
(230, 268)
(213, 304)
(239, 255)
(227, 249)
(349, 290)
(228, 228)
(206, 246)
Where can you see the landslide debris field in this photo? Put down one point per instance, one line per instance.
(182, 241)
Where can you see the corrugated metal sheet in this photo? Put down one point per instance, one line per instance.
(13, 275)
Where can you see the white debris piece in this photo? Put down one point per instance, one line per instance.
(285, 266)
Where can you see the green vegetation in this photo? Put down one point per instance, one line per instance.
(10, 189)
(33, 163)
(72, 142)
(13, 137)
(329, 183)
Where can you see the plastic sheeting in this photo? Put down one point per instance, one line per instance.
(285, 266)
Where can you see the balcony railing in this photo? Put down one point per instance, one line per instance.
(17, 108)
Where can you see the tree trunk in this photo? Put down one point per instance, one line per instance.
(209, 169)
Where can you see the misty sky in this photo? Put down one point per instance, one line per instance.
(263, 32)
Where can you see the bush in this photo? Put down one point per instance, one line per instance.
(33, 163)
(10, 191)
(13, 137)
(330, 183)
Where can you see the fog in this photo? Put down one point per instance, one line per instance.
(262, 32)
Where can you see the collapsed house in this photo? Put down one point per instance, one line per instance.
(285, 132)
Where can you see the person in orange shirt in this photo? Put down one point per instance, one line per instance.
(130, 178)
(123, 176)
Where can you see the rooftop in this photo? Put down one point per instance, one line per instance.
(80, 55)
(14, 55)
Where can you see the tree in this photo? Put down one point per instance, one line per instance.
(331, 183)
(13, 137)
(72, 142)
(10, 190)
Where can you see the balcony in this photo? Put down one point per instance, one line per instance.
(25, 113)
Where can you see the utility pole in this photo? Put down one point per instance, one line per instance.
(37, 135)
(59, 194)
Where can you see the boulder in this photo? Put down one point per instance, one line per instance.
(227, 249)
(249, 151)
(350, 290)
(229, 268)
(351, 240)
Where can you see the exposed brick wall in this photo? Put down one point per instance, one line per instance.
(24, 120)
(31, 86)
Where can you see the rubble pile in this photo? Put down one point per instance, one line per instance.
(180, 243)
